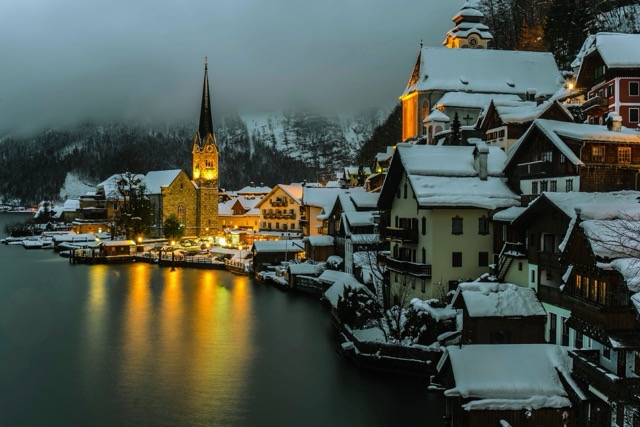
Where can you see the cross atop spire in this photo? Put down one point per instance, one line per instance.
(206, 122)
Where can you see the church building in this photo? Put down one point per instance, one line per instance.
(465, 76)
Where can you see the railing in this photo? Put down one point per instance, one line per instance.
(552, 295)
(405, 235)
(586, 367)
(609, 318)
(531, 169)
(407, 267)
(595, 103)
(508, 252)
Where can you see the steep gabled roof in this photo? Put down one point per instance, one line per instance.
(445, 176)
(497, 300)
(293, 191)
(475, 70)
(154, 180)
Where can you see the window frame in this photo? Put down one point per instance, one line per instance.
(483, 225)
(624, 155)
(637, 86)
(637, 115)
(457, 226)
(456, 259)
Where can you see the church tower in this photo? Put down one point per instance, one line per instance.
(468, 31)
(205, 166)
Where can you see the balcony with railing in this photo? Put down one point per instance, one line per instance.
(406, 267)
(596, 314)
(586, 367)
(548, 260)
(595, 104)
(405, 235)
(535, 169)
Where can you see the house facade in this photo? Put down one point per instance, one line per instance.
(563, 157)
(280, 211)
(439, 202)
(609, 72)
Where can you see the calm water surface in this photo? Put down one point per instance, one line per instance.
(139, 345)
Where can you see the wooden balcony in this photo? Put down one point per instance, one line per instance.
(548, 260)
(407, 267)
(535, 169)
(607, 318)
(595, 104)
(554, 296)
(405, 235)
(586, 367)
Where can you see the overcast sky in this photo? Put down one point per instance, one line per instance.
(62, 61)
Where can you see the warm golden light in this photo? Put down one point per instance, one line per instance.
(570, 86)
(139, 239)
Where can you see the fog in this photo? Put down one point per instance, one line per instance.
(64, 61)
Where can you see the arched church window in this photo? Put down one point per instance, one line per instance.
(181, 213)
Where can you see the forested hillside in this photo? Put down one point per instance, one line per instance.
(288, 148)
(557, 26)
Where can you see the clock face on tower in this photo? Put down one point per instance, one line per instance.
(473, 41)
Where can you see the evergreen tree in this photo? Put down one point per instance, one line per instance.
(532, 38)
(172, 227)
(566, 27)
(387, 134)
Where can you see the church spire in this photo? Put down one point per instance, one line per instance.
(206, 123)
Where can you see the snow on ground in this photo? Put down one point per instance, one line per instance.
(74, 187)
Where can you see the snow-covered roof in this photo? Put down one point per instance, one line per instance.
(250, 189)
(248, 203)
(447, 160)
(319, 240)
(293, 191)
(555, 131)
(305, 268)
(437, 116)
(595, 205)
(509, 214)
(359, 219)
(511, 376)
(278, 246)
(446, 176)
(486, 70)
(71, 205)
(340, 281)
(618, 50)
(320, 196)
(524, 111)
(476, 100)
(447, 312)
(381, 157)
(499, 300)
(364, 200)
(156, 179)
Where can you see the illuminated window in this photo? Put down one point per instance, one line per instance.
(181, 213)
(597, 153)
(624, 155)
(578, 285)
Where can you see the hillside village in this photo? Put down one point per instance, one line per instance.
(498, 224)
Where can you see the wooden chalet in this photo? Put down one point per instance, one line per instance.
(563, 157)
(505, 122)
(600, 291)
(609, 73)
(509, 385)
(500, 313)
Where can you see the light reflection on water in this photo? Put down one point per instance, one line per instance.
(184, 335)
(138, 345)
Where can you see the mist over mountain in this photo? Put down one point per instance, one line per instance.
(269, 148)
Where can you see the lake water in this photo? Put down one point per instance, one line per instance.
(140, 345)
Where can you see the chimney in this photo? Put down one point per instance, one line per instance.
(480, 157)
(614, 121)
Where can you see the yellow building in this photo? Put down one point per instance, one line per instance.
(440, 201)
